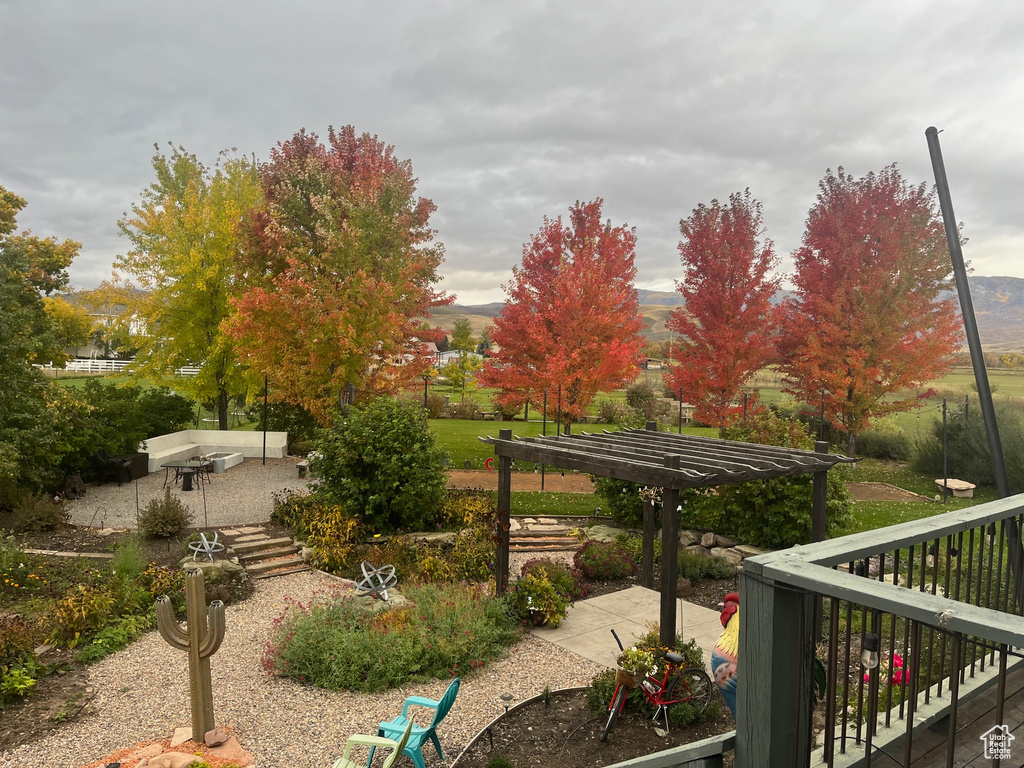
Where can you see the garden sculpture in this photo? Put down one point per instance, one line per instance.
(201, 637)
(725, 655)
(376, 581)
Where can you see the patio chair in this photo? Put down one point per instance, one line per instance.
(206, 546)
(414, 748)
(204, 469)
(373, 742)
(117, 467)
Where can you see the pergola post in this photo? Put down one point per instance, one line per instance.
(650, 527)
(669, 557)
(819, 497)
(504, 513)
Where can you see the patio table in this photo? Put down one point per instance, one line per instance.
(185, 470)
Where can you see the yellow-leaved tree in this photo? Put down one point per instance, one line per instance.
(177, 278)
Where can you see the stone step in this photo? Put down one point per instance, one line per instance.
(551, 548)
(267, 554)
(269, 565)
(546, 532)
(567, 541)
(254, 546)
(281, 572)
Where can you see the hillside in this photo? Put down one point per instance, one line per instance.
(998, 306)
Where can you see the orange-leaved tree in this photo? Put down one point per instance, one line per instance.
(728, 325)
(872, 318)
(571, 318)
(338, 263)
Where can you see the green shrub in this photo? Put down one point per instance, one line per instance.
(164, 411)
(436, 407)
(469, 508)
(38, 513)
(602, 561)
(467, 409)
(696, 567)
(621, 500)
(609, 411)
(469, 558)
(300, 424)
(536, 600)
(83, 610)
(967, 453)
(499, 762)
(165, 517)
(566, 580)
(114, 637)
(443, 631)
(129, 558)
(887, 446)
(633, 546)
(381, 463)
(16, 682)
(641, 395)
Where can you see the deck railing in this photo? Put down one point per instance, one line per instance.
(943, 599)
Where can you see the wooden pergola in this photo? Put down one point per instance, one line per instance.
(659, 460)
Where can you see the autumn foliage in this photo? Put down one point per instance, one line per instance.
(337, 262)
(872, 314)
(728, 325)
(571, 317)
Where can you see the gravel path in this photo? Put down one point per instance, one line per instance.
(142, 694)
(243, 494)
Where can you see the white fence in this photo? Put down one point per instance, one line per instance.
(93, 365)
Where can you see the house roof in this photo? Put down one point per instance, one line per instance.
(662, 459)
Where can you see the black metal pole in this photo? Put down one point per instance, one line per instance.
(945, 469)
(559, 430)
(988, 412)
(821, 427)
(426, 380)
(266, 416)
(680, 411)
(744, 407)
(963, 289)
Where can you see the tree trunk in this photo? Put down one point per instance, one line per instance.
(222, 410)
(851, 445)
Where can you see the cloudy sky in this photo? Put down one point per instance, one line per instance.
(512, 111)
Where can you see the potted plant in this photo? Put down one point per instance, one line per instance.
(634, 664)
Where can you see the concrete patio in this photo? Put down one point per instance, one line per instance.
(586, 629)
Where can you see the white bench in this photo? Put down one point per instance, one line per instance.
(961, 488)
(183, 445)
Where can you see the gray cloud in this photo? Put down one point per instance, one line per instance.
(510, 112)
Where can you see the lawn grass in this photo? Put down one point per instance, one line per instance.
(546, 503)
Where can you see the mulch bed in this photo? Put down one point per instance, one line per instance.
(566, 734)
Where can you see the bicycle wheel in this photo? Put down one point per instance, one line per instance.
(617, 701)
(692, 685)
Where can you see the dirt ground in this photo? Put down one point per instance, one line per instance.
(566, 734)
(881, 492)
(521, 481)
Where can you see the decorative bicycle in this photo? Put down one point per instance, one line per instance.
(661, 688)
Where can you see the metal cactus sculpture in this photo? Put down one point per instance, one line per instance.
(201, 637)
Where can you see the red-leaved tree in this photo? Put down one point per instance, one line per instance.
(571, 317)
(728, 325)
(868, 322)
(336, 265)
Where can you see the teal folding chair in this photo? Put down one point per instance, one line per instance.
(373, 742)
(414, 748)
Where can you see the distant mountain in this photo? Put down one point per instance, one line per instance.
(998, 306)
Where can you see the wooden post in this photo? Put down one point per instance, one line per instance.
(650, 526)
(504, 511)
(775, 667)
(669, 557)
(819, 497)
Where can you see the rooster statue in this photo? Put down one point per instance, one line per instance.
(723, 658)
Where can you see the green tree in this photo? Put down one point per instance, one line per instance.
(380, 462)
(463, 342)
(178, 277)
(31, 268)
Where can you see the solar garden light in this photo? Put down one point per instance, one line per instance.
(507, 698)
